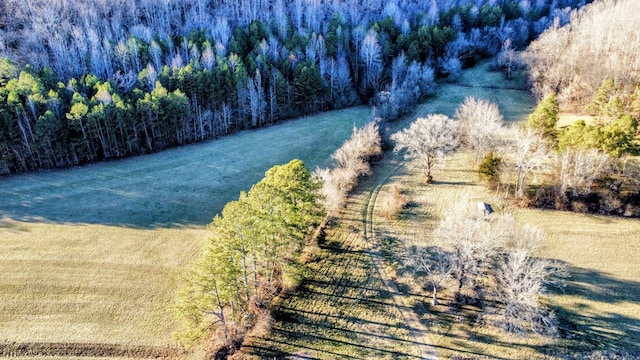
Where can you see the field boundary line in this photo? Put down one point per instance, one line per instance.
(90, 350)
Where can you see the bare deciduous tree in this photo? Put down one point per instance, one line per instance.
(529, 153)
(472, 239)
(579, 169)
(370, 55)
(490, 257)
(352, 161)
(451, 66)
(481, 124)
(521, 280)
(437, 266)
(428, 140)
(601, 41)
(507, 58)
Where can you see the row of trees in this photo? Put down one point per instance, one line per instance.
(256, 244)
(76, 37)
(252, 254)
(110, 80)
(590, 66)
(352, 162)
(585, 162)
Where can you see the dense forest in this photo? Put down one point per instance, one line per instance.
(90, 80)
(598, 49)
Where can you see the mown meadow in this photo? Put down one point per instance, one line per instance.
(91, 257)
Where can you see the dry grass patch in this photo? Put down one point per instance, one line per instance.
(512, 96)
(91, 283)
(600, 308)
(567, 119)
(341, 309)
(392, 202)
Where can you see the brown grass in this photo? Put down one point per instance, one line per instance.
(72, 283)
(567, 119)
(90, 258)
(341, 309)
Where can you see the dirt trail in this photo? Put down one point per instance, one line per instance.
(418, 330)
(382, 173)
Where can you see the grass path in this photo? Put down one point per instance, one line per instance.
(342, 309)
(418, 330)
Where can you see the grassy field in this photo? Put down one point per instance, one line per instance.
(343, 306)
(342, 310)
(599, 310)
(182, 186)
(91, 257)
(351, 305)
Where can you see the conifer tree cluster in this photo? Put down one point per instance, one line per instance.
(252, 254)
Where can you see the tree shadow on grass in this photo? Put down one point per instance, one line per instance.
(598, 317)
(336, 330)
(340, 310)
(598, 322)
(36, 198)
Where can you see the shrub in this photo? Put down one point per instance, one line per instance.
(615, 138)
(545, 116)
(352, 161)
(393, 202)
(489, 169)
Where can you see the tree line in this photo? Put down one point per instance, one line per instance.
(258, 242)
(590, 67)
(84, 81)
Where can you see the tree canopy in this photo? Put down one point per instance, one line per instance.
(252, 254)
(84, 80)
(428, 140)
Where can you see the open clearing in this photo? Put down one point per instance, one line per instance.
(350, 304)
(343, 309)
(182, 186)
(91, 257)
